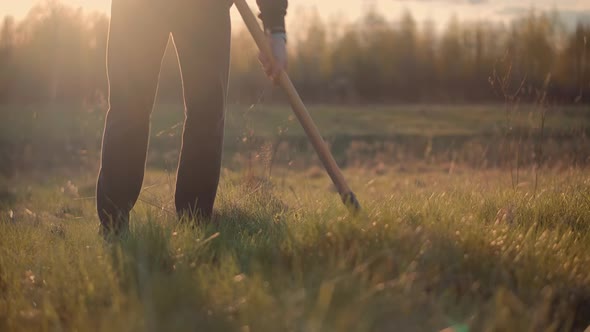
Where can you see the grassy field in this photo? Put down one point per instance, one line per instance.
(434, 250)
(479, 135)
(441, 244)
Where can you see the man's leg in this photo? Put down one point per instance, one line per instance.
(137, 41)
(202, 39)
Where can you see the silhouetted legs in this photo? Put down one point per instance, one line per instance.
(202, 39)
(139, 32)
(137, 41)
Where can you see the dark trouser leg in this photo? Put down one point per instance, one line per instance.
(137, 41)
(202, 39)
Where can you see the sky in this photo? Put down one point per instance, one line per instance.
(439, 11)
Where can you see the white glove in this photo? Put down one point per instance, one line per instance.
(278, 45)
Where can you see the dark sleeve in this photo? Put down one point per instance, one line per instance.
(272, 14)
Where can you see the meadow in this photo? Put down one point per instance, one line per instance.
(476, 217)
(41, 137)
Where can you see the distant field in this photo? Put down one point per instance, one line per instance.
(478, 135)
(359, 120)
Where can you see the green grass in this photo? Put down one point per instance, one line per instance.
(54, 136)
(442, 244)
(435, 250)
(265, 120)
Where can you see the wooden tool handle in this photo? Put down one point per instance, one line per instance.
(299, 109)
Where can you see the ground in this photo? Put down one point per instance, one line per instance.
(438, 245)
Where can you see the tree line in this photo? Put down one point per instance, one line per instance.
(57, 53)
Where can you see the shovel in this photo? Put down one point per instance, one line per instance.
(348, 197)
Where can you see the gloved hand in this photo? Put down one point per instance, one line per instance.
(278, 45)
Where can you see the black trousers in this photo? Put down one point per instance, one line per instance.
(138, 35)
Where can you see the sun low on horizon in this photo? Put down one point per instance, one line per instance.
(438, 11)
